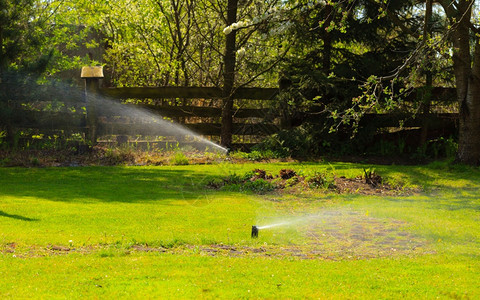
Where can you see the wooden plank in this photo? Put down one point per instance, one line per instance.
(439, 94)
(393, 120)
(33, 92)
(192, 111)
(187, 93)
(256, 93)
(50, 120)
(165, 129)
(162, 92)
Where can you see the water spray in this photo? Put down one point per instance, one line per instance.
(289, 222)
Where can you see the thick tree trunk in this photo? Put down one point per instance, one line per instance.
(467, 79)
(229, 76)
(469, 130)
(427, 93)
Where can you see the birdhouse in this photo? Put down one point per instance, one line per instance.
(92, 72)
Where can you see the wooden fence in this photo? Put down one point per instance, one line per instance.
(252, 121)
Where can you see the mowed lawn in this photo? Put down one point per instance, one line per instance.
(159, 232)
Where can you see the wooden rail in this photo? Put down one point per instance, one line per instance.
(64, 120)
(187, 93)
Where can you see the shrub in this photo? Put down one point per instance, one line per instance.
(119, 155)
(179, 159)
(255, 155)
(295, 142)
(258, 186)
(320, 180)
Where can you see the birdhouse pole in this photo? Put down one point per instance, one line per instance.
(92, 76)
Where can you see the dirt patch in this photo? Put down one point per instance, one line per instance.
(356, 235)
(59, 248)
(286, 174)
(146, 248)
(339, 236)
(360, 186)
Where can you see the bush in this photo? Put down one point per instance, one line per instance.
(255, 155)
(114, 156)
(179, 159)
(297, 143)
(259, 186)
(320, 180)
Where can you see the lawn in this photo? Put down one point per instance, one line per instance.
(159, 232)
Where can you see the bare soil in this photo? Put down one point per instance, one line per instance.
(339, 236)
(358, 185)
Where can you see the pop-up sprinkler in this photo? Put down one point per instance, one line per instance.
(254, 231)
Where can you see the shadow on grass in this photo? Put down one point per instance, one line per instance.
(105, 184)
(467, 201)
(438, 175)
(17, 217)
(169, 185)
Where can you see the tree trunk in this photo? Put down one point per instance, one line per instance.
(229, 76)
(427, 92)
(467, 79)
(469, 131)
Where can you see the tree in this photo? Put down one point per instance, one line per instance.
(338, 46)
(21, 61)
(460, 35)
(464, 34)
(462, 31)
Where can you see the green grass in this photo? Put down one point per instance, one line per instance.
(339, 246)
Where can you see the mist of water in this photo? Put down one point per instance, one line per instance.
(153, 123)
(292, 221)
(132, 120)
(305, 219)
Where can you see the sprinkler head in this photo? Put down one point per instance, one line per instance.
(254, 231)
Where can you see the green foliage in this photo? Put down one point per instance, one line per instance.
(179, 159)
(259, 186)
(440, 148)
(296, 142)
(443, 148)
(255, 155)
(118, 155)
(322, 180)
(21, 35)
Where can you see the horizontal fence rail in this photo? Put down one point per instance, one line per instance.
(209, 129)
(183, 111)
(187, 93)
(64, 120)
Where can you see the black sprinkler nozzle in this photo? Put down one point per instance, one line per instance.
(254, 231)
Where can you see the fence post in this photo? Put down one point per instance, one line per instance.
(92, 76)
